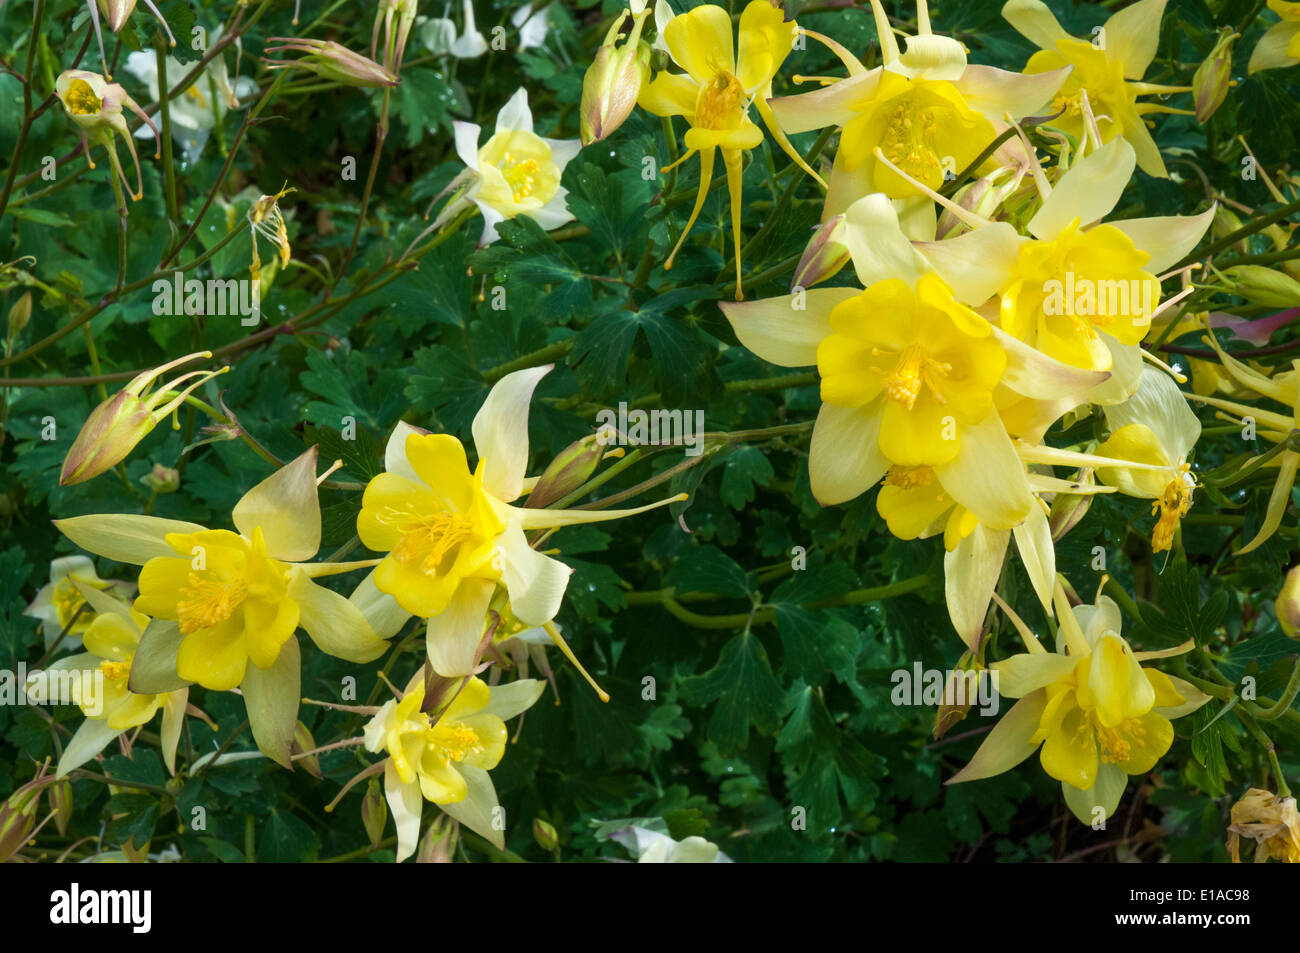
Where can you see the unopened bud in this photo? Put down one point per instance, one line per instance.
(162, 480)
(61, 804)
(18, 814)
(1068, 509)
(613, 81)
(374, 812)
(949, 712)
(1261, 285)
(571, 468)
(439, 844)
(824, 255)
(115, 427)
(20, 314)
(301, 744)
(545, 835)
(1214, 76)
(1288, 604)
(330, 60)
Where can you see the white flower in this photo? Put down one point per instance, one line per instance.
(651, 847)
(200, 107)
(532, 25)
(58, 600)
(516, 172)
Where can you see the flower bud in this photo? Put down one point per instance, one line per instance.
(950, 713)
(439, 844)
(824, 255)
(545, 835)
(301, 744)
(613, 81)
(18, 814)
(571, 468)
(20, 314)
(1214, 76)
(1261, 285)
(61, 804)
(162, 480)
(114, 427)
(330, 60)
(374, 813)
(1068, 509)
(1288, 604)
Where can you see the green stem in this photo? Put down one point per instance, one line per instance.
(38, 12)
(169, 168)
(1250, 228)
(1288, 697)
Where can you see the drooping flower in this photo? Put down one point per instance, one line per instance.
(451, 535)
(1094, 713)
(1109, 70)
(266, 219)
(95, 104)
(1279, 47)
(199, 107)
(444, 756)
(715, 91)
(235, 598)
(1156, 426)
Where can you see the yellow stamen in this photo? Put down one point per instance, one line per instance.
(1172, 507)
(81, 99)
(721, 103)
(208, 602)
(453, 742)
(915, 368)
(909, 478)
(427, 538)
(520, 174)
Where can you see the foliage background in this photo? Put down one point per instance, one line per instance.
(748, 720)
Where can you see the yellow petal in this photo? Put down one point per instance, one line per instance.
(287, 509)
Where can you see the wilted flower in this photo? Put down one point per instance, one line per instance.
(265, 219)
(95, 105)
(114, 427)
(1271, 822)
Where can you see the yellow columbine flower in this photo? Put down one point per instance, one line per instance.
(1108, 69)
(1280, 46)
(909, 369)
(236, 597)
(101, 690)
(1154, 426)
(1097, 713)
(925, 111)
(715, 92)
(516, 172)
(57, 602)
(95, 104)
(1271, 822)
(929, 361)
(444, 757)
(451, 534)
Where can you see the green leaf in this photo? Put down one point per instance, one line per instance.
(286, 839)
(745, 692)
(742, 469)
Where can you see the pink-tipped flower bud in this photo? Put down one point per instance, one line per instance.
(824, 255)
(613, 81)
(115, 427)
(571, 468)
(1214, 76)
(330, 60)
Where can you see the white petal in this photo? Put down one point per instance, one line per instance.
(536, 583)
(975, 264)
(515, 697)
(1088, 191)
(501, 432)
(467, 134)
(453, 635)
(879, 248)
(515, 116)
(88, 741)
(395, 451)
(1166, 238)
(405, 804)
(781, 333)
